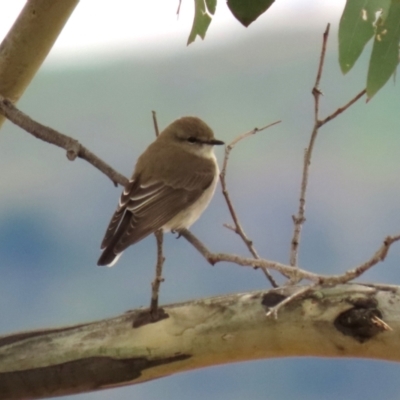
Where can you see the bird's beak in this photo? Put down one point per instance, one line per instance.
(215, 142)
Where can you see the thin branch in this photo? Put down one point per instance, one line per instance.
(342, 109)
(238, 227)
(72, 146)
(238, 139)
(179, 9)
(156, 130)
(299, 219)
(316, 90)
(198, 245)
(273, 311)
(155, 285)
(214, 258)
(378, 257)
(294, 274)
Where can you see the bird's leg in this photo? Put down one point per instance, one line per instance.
(154, 313)
(155, 285)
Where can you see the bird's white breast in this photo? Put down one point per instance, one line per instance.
(189, 215)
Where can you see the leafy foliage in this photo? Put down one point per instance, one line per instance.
(246, 11)
(362, 20)
(385, 53)
(202, 18)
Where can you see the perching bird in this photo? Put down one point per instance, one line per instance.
(172, 184)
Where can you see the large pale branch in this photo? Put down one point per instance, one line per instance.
(28, 43)
(345, 321)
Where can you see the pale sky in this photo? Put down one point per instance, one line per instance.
(100, 26)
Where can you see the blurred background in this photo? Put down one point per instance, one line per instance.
(110, 67)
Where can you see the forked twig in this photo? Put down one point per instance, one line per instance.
(237, 228)
(299, 218)
(294, 274)
(288, 271)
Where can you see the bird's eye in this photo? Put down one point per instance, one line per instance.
(191, 139)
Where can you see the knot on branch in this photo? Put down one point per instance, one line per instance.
(298, 220)
(73, 148)
(362, 322)
(316, 92)
(272, 299)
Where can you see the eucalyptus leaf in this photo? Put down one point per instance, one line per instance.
(201, 20)
(385, 51)
(211, 6)
(357, 26)
(247, 11)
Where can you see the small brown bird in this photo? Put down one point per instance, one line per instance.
(172, 184)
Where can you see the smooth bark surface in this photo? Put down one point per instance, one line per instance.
(345, 321)
(28, 43)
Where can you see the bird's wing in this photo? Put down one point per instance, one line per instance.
(118, 214)
(150, 205)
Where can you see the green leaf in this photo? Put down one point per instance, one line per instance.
(201, 20)
(356, 28)
(385, 52)
(211, 6)
(247, 11)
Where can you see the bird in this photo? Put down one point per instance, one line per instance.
(172, 184)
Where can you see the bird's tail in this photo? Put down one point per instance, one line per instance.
(109, 257)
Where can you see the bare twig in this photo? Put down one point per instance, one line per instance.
(273, 311)
(294, 274)
(238, 227)
(155, 285)
(381, 324)
(299, 218)
(72, 146)
(316, 90)
(342, 109)
(156, 130)
(379, 256)
(179, 9)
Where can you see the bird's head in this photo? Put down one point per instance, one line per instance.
(191, 134)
